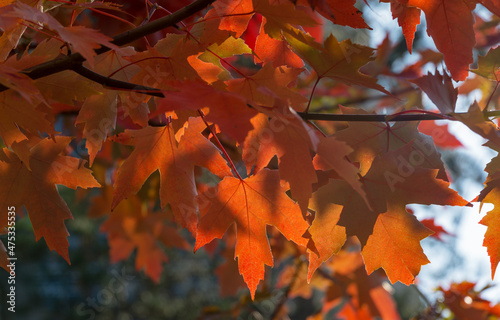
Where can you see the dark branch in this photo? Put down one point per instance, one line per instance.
(74, 60)
(370, 117)
(386, 118)
(122, 85)
(157, 25)
(116, 84)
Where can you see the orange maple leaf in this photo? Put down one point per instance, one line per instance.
(131, 226)
(29, 177)
(252, 204)
(491, 194)
(408, 19)
(276, 51)
(83, 40)
(16, 112)
(157, 149)
(234, 14)
(287, 136)
(393, 181)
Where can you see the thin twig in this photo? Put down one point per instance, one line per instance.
(236, 173)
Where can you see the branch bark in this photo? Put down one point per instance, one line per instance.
(122, 85)
(116, 84)
(74, 60)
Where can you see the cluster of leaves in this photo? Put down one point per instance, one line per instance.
(215, 101)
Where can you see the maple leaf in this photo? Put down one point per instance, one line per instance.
(131, 227)
(267, 85)
(179, 57)
(371, 139)
(235, 14)
(474, 119)
(368, 297)
(340, 12)
(29, 177)
(21, 83)
(395, 246)
(276, 51)
(408, 19)
(440, 134)
(83, 40)
(10, 39)
(488, 65)
(329, 237)
(45, 50)
(437, 229)
(98, 112)
(335, 60)
(230, 280)
(16, 112)
(287, 136)
(449, 23)
(66, 87)
(332, 155)
(227, 109)
(215, 53)
(440, 90)
(252, 204)
(393, 181)
(155, 148)
(475, 308)
(491, 194)
(280, 16)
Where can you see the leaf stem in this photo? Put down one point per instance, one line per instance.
(237, 175)
(491, 95)
(312, 93)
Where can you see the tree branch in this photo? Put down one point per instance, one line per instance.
(116, 84)
(386, 118)
(72, 61)
(122, 85)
